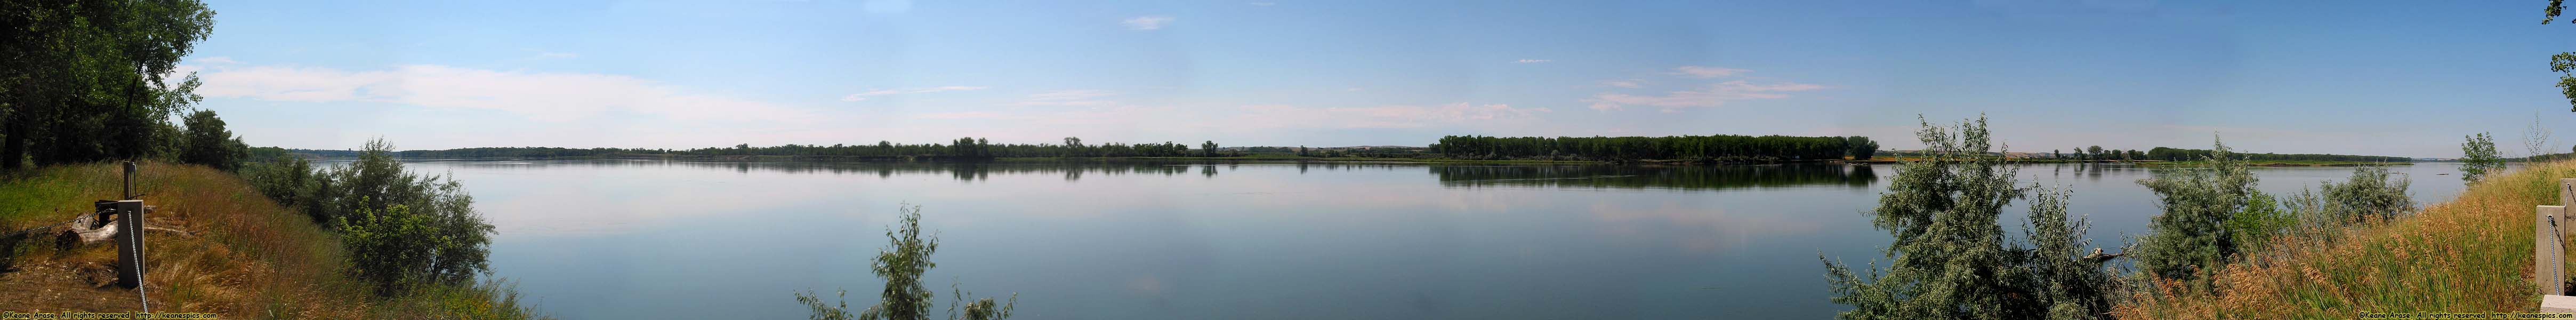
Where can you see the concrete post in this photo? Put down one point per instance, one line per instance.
(2566, 197)
(2566, 191)
(129, 243)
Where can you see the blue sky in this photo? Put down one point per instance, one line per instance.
(2402, 78)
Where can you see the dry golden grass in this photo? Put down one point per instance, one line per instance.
(249, 258)
(2472, 254)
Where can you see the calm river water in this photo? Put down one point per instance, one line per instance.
(616, 239)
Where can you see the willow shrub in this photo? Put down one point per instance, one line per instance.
(1951, 258)
(904, 297)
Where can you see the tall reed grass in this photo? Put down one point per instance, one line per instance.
(2471, 254)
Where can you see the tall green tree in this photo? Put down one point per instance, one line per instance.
(208, 143)
(1951, 258)
(1860, 147)
(1073, 147)
(1207, 149)
(2564, 62)
(84, 80)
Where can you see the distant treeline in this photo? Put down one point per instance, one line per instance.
(2173, 154)
(1721, 148)
(1643, 177)
(960, 148)
(1717, 147)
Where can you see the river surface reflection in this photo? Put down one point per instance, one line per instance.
(601, 239)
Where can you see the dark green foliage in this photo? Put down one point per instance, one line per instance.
(284, 178)
(2555, 6)
(401, 229)
(901, 265)
(2368, 195)
(2563, 63)
(2065, 277)
(1770, 148)
(450, 246)
(904, 297)
(2192, 234)
(960, 148)
(2478, 158)
(2176, 154)
(208, 143)
(1951, 258)
(1641, 177)
(1859, 147)
(387, 247)
(2262, 218)
(83, 81)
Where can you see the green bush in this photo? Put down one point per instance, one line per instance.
(2262, 218)
(1951, 259)
(401, 228)
(2193, 234)
(2368, 194)
(285, 178)
(904, 298)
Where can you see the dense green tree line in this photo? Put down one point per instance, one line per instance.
(960, 148)
(85, 81)
(2098, 153)
(2175, 154)
(1644, 177)
(1716, 147)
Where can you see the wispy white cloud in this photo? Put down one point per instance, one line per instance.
(1533, 61)
(963, 115)
(1397, 116)
(1354, 89)
(1705, 72)
(216, 60)
(539, 96)
(1625, 83)
(1069, 98)
(1708, 96)
(879, 92)
(1146, 22)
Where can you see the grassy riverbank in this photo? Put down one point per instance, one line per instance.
(2471, 254)
(243, 256)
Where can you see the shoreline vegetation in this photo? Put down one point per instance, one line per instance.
(1293, 158)
(2221, 249)
(2469, 254)
(1668, 150)
(241, 255)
